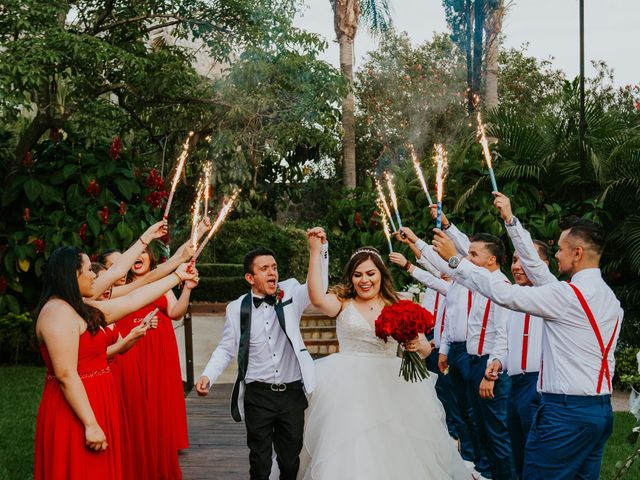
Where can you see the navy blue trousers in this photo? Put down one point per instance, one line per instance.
(459, 377)
(522, 406)
(567, 437)
(491, 420)
(456, 426)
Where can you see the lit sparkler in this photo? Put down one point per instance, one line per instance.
(196, 216)
(416, 165)
(385, 206)
(387, 233)
(394, 199)
(487, 154)
(207, 187)
(222, 215)
(441, 171)
(176, 176)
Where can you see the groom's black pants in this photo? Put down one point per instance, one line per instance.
(274, 420)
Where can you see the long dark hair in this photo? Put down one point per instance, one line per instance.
(61, 280)
(346, 290)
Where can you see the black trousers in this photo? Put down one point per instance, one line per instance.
(274, 421)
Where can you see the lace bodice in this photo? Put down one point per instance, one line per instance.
(356, 335)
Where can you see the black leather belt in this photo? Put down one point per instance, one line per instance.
(276, 387)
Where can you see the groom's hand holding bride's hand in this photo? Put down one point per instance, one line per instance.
(202, 386)
(316, 237)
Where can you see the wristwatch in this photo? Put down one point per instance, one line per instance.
(513, 222)
(454, 262)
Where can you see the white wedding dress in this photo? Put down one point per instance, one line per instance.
(366, 422)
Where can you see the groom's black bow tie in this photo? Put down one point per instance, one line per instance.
(269, 299)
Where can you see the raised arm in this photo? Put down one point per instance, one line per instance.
(120, 268)
(317, 282)
(460, 239)
(117, 308)
(547, 301)
(536, 269)
(178, 307)
(59, 327)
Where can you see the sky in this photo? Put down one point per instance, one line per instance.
(550, 27)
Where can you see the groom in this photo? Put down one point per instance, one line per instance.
(262, 328)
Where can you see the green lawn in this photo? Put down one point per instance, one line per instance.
(20, 391)
(21, 387)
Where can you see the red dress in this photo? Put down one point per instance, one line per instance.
(60, 451)
(151, 383)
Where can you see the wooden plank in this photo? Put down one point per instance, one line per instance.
(217, 444)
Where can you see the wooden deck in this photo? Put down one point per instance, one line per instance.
(218, 447)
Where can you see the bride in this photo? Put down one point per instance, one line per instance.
(363, 420)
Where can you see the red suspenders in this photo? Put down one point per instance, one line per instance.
(435, 306)
(604, 367)
(444, 315)
(485, 319)
(469, 302)
(525, 342)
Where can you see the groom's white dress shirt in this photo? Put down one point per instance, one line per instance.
(272, 359)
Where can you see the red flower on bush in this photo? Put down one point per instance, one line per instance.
(638, 106)
(39, 243)
(357, 219)
(94, 188)
(154, 180)
(104, 215)
(403, 321)
(155, 199)
(94, 257)
(4, 283)
(83, 232)
(27, 160)
(115, 149)
(26, 215)
(123, 208)
(55, 135)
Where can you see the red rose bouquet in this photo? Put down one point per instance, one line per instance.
(403, 321)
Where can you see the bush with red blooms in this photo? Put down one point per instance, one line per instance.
(404, 321)
(67, 195)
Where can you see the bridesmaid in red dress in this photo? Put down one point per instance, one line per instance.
(151, 381)
(78, 426)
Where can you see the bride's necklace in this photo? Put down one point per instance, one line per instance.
(376, 303)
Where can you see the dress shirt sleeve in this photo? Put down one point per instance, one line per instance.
(224, 352)
(460, 240)
(427, 265)
(426, 278)
(429, 254)
(537, 271)
(547, 301)
(500, 342)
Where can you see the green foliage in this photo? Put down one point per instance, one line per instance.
(17, 341)
(237, 237)
(67, 195)
(627, 374)
(220, 270)
(219, 289)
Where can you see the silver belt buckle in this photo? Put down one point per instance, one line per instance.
(278, 387)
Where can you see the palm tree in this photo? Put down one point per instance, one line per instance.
(346, 17)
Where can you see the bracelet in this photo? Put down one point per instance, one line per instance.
(143, 242)
(179, 277)
(407, 265)
(446, 227)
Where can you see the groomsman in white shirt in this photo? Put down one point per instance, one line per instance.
(582, 320)
(435, 301)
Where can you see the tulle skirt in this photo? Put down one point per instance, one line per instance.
(365, 422)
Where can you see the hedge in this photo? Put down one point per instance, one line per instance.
(219, 289)
(221, 270)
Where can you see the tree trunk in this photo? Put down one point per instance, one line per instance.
(345, 22)
(469, 55)
(478, 30)
(348, 117)
(493, 28)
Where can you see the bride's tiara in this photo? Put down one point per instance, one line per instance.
(365, 250)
